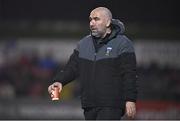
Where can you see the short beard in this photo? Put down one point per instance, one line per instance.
(95, 34)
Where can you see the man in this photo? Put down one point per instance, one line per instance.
(104, 62)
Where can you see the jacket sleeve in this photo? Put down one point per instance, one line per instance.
(127, 61)
(70, 71)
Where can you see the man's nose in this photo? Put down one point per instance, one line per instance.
(92, 22)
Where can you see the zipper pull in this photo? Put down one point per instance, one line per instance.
(95, 56)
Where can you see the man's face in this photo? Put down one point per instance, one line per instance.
(98, 23)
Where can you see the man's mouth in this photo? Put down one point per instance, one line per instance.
(93, 29)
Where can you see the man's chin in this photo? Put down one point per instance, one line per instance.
(95, 34)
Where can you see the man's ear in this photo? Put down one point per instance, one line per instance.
(108, 23)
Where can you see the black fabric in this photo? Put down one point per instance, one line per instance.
(70, 71)
(117, 25)
(127, 63)
(107, 82)
(103, 113)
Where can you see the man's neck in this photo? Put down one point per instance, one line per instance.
(108, 31)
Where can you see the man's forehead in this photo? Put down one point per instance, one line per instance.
(96, 13)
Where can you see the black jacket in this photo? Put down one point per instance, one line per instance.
(107, 73)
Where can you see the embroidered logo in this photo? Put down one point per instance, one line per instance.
(108, 50)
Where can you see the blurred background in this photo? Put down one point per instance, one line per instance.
(38, 36)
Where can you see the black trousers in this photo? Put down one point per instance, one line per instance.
(102, 113)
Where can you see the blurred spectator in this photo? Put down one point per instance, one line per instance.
(6, 90)
(47, 62)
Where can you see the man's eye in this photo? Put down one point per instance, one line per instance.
(96, 19)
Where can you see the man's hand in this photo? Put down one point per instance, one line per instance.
(130, 109)
(52, 86)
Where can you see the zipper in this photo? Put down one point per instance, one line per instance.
(95, 56)
(94, 64)
(93, 76)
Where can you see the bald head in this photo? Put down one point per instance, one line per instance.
(105, 11)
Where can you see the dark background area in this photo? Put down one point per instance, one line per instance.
(143, 19)
(139, 11)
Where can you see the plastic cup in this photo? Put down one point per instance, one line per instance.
(56, 94)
